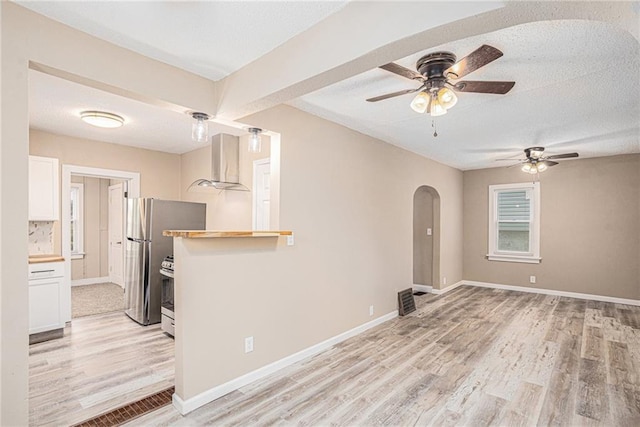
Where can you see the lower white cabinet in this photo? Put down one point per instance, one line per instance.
(45, 290)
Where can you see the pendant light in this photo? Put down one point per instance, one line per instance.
(255, 141)
(200, 129)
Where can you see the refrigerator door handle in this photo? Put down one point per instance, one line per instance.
(137, 280)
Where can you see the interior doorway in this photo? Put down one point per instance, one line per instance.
(261, 194)
(131, 186)
(116, 233)
(426, 237)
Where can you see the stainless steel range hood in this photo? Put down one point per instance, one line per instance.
(225, 164)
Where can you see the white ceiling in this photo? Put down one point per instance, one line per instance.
(577, 82)
(209, 38)
(55, 105)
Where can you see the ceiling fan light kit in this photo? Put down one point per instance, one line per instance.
(437, 70)
(535, 161)
(420, 102)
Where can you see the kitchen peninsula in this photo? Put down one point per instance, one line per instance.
(231, 288)
(209, 234)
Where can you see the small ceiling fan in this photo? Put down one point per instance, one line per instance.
(436, 73)
(535, 161)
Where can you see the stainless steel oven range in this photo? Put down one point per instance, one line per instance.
(166, 304)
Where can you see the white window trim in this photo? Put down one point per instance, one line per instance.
(533, 256)
(79, 253)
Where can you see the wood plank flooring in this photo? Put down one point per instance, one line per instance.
(473, 357)
(102, 363)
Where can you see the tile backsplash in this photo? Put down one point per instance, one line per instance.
(40, 237)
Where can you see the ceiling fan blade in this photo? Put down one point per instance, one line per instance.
(498, 88)
(510, 160)
(549, 163)
(391, 95)
(562, 156)
(476, 59)
(402, 71)
(513, 166)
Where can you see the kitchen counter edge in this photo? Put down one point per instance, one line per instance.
(215, 234)
(37, 259)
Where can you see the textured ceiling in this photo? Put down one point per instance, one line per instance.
(577, 89)
(577, 82)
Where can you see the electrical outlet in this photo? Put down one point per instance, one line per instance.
(429, 232)
(370, 310)
(532, 279)
(444, 280)
(290, 240)
(248, 344)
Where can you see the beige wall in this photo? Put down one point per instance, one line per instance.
(159, 172)
(226, 210)
(349, 200)
(27, 38)
(95, 262)
(590, 232)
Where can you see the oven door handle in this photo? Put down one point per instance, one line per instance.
(166, 273)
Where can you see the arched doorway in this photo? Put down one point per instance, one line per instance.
(426, 237)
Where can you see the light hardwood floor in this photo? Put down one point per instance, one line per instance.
(473, 357)
(103, 362)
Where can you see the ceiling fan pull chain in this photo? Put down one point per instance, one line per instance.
(433, 125)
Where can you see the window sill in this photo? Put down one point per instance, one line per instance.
(511, 258)
(79, 255)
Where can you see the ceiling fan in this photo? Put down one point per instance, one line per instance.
(436, 72)
(535, 161)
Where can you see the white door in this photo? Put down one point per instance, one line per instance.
(116, 234)
(261, 193)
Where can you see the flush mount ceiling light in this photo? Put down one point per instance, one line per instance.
(102, 119)
(200, 129)
(255, 141)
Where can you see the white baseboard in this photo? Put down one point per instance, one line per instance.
(422, 288)
(553, 292)
(448, 288)
(90, 281)
(188, 405)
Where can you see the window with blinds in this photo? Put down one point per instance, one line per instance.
(514, 222)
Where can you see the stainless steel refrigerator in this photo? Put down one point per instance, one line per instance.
(146, 247)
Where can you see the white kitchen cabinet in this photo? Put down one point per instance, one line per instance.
(44, 189)
(46, 283)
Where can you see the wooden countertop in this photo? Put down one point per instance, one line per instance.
(213, 234)
(35, 259)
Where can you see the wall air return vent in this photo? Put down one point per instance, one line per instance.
(406, 303)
